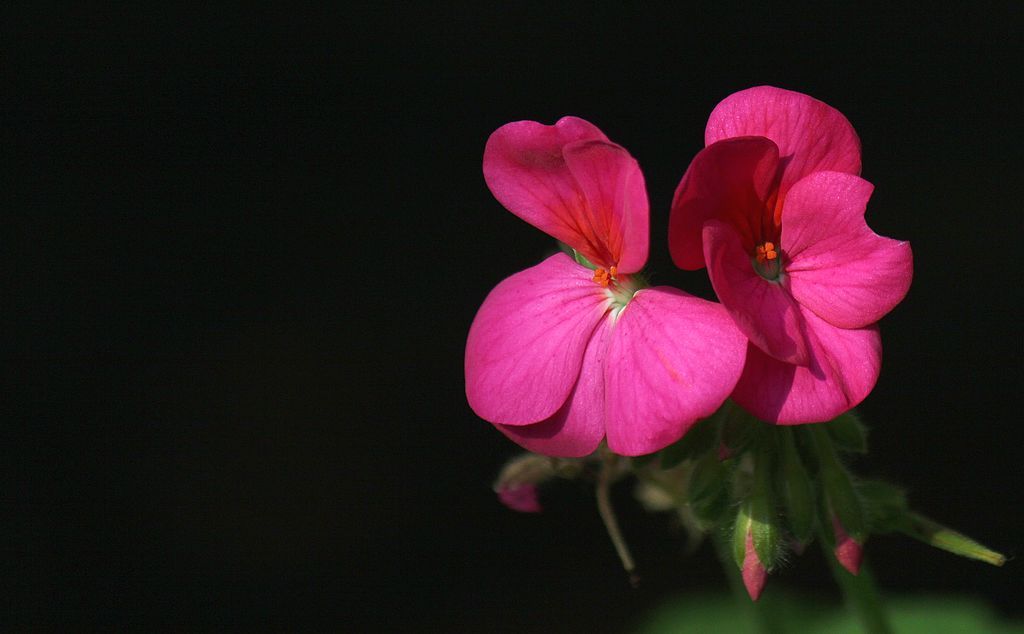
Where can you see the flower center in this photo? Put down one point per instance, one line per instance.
(767, 261)
(603, 277)
(618, 288)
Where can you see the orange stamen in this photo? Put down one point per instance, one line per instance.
(766, 251)
(603, 277)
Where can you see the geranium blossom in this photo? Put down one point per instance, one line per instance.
(775, 207)
(561, 355)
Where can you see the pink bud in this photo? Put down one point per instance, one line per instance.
(754, 574)
(520, 497)
(847, 551)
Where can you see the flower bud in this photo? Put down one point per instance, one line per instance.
(841, 507)
(848, 551)
(522, 498)
(754, 574)
(517, 483)
(752, 570)
(757, 535)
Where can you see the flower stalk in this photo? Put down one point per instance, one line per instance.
(607, 512)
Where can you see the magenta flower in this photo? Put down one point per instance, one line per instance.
(560, 355)
(775, 207)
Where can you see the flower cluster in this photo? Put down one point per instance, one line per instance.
(576, 350)
(579, 360)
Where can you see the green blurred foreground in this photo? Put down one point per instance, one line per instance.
(928, 615)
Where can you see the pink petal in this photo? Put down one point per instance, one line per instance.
(615, 218)
(844, 366)
(569, 181)
(526, 344)
(837, 266)
(577, 427)
(765, 312)
(812, 136)
(730, 180)
(673, 359)
(520, 497)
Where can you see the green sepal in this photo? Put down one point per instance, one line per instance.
(795, 489)
(764, 521)
(699, 439)
(707, 491)
(848, 433)
(934, 534)
(739, 533)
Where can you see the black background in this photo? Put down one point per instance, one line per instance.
(244, 249)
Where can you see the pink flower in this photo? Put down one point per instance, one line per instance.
(561, 356)
(775, 207)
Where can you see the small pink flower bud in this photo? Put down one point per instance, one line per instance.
(847, 550)
(754, 573)
(520, 497)
(517, 483)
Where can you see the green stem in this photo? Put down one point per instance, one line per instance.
(766, 621)
(860, 594)
(611, 524)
